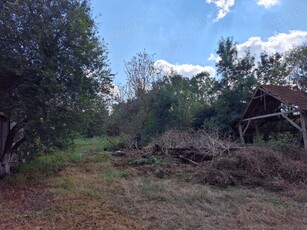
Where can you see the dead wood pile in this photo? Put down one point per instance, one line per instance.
(223, 163)
(256, 167)
(192, 147)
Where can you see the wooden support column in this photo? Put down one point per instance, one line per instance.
(241, 133)
(303, 116)
(256, 128)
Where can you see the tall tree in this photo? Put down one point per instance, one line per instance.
(141, 75)
(228, 54)
(236, 84)
(272, 69)
(203, 86)
(59, 66)
(297, 59)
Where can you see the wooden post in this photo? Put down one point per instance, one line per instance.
(241, 133)
(256, 128)
(303, 116)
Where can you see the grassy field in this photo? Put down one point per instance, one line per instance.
(87, 188)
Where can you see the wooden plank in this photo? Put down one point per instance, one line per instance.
(267, 115)
(303, 117)
(292, 122)
(246, 127)
(241, 133)
(250, 102)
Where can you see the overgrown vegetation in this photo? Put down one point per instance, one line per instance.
(179, 166)
(55, 71)
(49, 164)
(108, 192)
(154, 101)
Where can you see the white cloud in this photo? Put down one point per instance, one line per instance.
(267, 3)
(281, 42)
(223, 7)
(214, 57)
(186, 70)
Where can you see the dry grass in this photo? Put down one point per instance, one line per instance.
(108, 193)
(74, 199)
(170, 204)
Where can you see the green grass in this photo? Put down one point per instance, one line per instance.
(111, 173)
(48, 164)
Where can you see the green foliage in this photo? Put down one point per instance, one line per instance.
(175, 101)
(297, 62)
(95, 123)
(272, 69)
(280, 138)
(59, 67)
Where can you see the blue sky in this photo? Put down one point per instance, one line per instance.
(184, 34)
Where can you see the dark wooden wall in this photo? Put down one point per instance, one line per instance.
(4, 130)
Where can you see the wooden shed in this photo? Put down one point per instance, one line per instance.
(4, 130)
(271, 102)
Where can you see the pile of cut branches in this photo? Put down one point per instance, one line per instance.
(191, 146)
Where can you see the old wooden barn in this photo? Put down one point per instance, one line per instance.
(270, 103)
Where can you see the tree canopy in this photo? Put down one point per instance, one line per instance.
(60, 67)
(203, 101)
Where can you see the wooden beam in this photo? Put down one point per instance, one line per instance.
(247, 125)
(264, 101)
(241, 133)
(303, 116)
(292, 122)
(267, 115)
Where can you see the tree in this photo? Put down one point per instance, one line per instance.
(237, 81)
(141, 73)
(177, 100)
(134, 108)
(272, 69)
(203, 87)
(228, 54)
(60, 67)
(297, 59)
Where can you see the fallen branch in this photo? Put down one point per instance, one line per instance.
(187, 159)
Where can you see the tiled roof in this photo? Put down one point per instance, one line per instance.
(287, 95)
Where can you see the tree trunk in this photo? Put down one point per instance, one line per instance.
(6, 163)
(10, 145)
